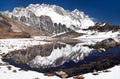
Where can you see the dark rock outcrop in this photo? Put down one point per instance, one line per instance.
(58, 28)
(106, 44)
(46, 24)
(5, 26)
(104, 27)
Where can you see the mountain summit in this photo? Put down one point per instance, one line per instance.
(47, 17)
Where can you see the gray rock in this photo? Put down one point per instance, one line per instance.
(106, 44)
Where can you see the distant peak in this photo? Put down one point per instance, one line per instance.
(101, 24)
(76, 10)
(43, 5)
(35, 4)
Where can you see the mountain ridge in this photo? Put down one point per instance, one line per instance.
(30, 15)
(11, 28)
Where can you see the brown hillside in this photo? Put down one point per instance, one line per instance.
(10, 28)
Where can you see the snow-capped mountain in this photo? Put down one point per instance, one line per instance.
(74, 38)
(31, 15)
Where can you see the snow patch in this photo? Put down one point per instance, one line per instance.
(7, 45)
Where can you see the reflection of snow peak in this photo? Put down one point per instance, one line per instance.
(68, 53)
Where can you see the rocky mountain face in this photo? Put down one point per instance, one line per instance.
(50, 18)
(9, 29)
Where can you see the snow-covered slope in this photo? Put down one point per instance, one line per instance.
(56, 13)
(16, 73)
(7, 45)
(95, 36)
(113, 74)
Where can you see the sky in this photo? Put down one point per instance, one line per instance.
(100, 10)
